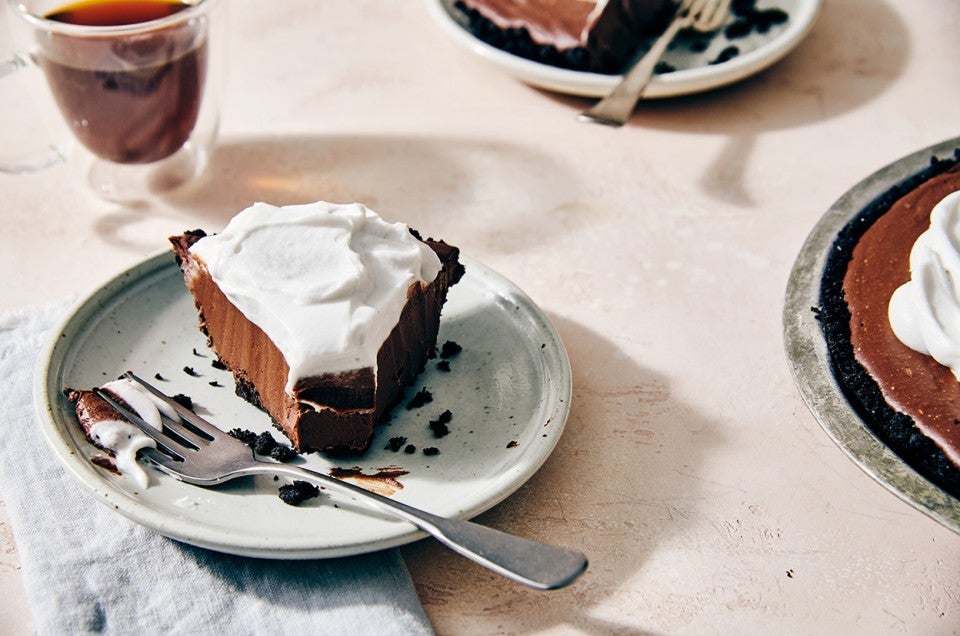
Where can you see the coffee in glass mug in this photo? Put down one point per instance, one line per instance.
(131, 79)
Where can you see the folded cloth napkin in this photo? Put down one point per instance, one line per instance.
(87, 569)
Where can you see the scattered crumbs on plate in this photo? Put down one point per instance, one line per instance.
(423, 396)
(283, 453)
(198, 354)
(444, 365)
(265, 444)
(512, 444)
(246, 436)
(218, 364)
(395, 443)
(189, 371)
(726, 55)
(157, 376)
(410, 449)
(214, 383)
(298, 492)
(439, 425)
(450, 349)
(183, 400)
(431, 451)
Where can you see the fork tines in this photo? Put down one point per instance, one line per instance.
(177, 437)
(202, 426)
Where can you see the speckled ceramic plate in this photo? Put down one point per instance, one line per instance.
(509, 392)
(694, 73)
(809, 360)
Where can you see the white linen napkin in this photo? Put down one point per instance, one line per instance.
(87, 569)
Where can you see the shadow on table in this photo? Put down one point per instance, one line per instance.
(621, 482)
(438, 185)
(426, 182)
(856, 49)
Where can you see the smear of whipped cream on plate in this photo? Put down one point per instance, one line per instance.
(122, 437)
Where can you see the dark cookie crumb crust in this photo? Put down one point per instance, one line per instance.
(895, 429)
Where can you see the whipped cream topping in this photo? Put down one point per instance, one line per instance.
(325, 282)
(925, 312)
(122, 437)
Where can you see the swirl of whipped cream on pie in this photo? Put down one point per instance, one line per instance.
(925, 311)
(330, 280)
(122, 437)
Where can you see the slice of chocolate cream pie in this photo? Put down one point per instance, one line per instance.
(324, 313)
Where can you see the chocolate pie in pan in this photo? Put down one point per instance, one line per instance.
(872, 327)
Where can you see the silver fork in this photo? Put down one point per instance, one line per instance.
(195, 451)
(615, 109)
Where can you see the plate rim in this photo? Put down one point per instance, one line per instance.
(675, 84)
(83, 472)
(809, 359)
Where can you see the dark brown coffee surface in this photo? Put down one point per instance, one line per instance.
(115, 12)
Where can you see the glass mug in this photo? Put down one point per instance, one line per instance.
(135, 81)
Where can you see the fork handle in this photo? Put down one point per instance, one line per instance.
(615, 109)
(532, 563)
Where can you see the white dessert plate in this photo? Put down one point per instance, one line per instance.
(694, 72)
(508, 390)
(809, 358)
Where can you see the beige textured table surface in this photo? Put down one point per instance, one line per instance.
(705, 494)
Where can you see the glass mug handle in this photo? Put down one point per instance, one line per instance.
(29, 141)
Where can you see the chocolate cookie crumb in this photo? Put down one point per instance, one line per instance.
(439, 425)
(395, 443)
(410, 449)
(512, 444)
(183, 400)
(157, 376)
(726, 55)
(699, 45)
(298, 492)
(431, 451)
(738, 29)
(422, 397)
(214, 383)
(662, 68)
(264, 443)
(444, 365)
(450, 349)
(217, 364)
(247, 437)
(189, 371)
(198, 354)
(282, 453)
